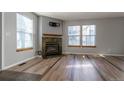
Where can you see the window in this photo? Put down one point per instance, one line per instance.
(88, 35)
(82, 36)
(74, 35)
(24, 33)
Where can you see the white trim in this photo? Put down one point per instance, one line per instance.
(94, 54)
(2, 40)
(6, 67)
(78, 53)
(1, 45)
(114, 54)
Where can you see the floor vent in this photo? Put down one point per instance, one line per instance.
(21, 64)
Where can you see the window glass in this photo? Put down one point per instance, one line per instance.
(74, 40)
(24, 32)
(74, 30)
(88, 35)
(82, 37)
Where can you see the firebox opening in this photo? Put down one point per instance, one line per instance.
(51, 46)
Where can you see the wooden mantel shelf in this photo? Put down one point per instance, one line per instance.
(52, 35)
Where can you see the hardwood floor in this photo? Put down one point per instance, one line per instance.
(106, 69)
(73, 67)
(36, 66)
(69, 68)
(18, 76)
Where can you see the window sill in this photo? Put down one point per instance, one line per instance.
(89, 46)
(23, 49)
(82, 46)
(73, 46)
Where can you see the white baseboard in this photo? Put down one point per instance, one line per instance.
(6, 67)
(79, 53)
(114, 54)
(94, 54)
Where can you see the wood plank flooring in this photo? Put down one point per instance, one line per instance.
(106, 69)
(69, 68)
(116, 62)
(18, 76)
(36, 66)
(72, 67)
(25, 65)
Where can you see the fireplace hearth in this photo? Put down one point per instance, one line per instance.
(51, 46)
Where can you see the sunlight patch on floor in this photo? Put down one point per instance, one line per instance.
(101, 55)
(79, 66)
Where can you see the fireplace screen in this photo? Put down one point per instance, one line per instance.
(51, 49)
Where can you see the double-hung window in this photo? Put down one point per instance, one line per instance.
(83, 36)
(24, 33)
(88, 35)
(74, 35)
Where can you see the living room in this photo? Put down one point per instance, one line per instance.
(51, 46)
(62, 46)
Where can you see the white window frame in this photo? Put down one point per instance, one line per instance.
(74, 35)
(88, 35)
(23, 48)
(81, 36)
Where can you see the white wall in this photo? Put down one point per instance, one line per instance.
(48, 29)
(10, 55)
(44, 28)
(109, 36)
(0, 40)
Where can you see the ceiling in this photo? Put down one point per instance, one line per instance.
(81, 15)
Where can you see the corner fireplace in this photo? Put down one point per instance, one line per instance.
(51, 46)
